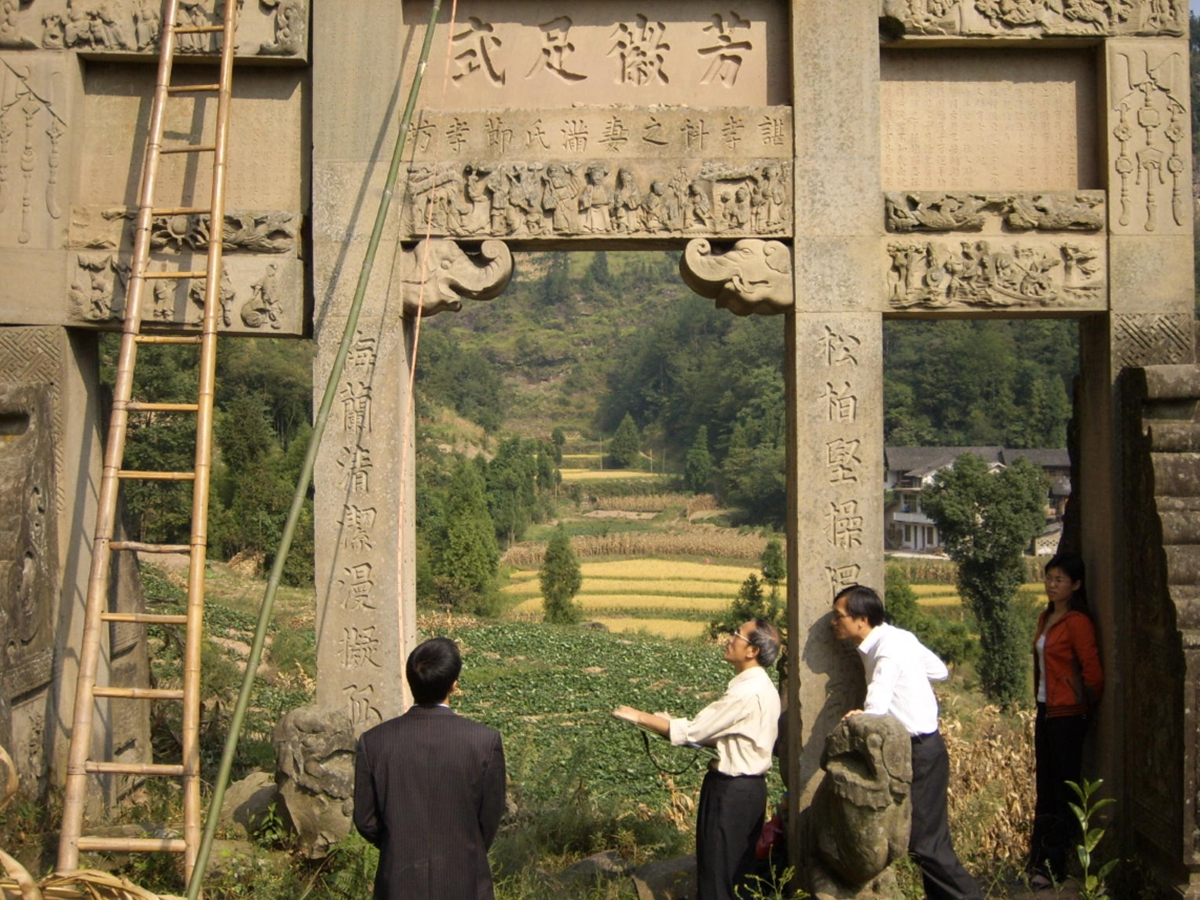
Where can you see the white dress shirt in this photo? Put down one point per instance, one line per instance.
(899, 669)
(743, 723)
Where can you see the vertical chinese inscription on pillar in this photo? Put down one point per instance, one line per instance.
(360, 646)
(1149, 129)
(837, 352)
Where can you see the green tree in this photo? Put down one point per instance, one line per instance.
(986, 520)
(623, 448)
(465, 557)
(950, 640)
(698, 464)
(558, 438)
(773, 565)
(560, 579)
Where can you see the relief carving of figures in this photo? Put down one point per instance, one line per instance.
(245, 232)
(1148, 145)
(994, 275)
(515, 199)
(753, 276)
(1040, 18)
(933, 211)
(93, 289)
(265, 303)
(437, 274)
(29, 122)
(10, 31)
(199, 288)
(291, 19)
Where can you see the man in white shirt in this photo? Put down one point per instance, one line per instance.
(899, 671)
(742, 726)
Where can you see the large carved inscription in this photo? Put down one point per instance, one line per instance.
(1149, 133)
(265, 27)
(32, 127)
(522, 53)
(600, 172)
(1039, 18)
(1004, 120)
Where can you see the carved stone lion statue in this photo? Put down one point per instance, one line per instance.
(861, 811)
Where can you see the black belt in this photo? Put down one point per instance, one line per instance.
(712, 770)
(921, 738)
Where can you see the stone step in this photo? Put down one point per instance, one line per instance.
(1176, 474)
(1180, 382)
(1174, 437)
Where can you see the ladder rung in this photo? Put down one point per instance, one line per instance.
(175, 275)
(167, 338)
(138, 406)
(156, 476)
(117, 768)
(145, 618)
(198, 148)
(192, 88)
(181, 211)
(127, 693)
(138, 845)
(198, 29)
(149, 548)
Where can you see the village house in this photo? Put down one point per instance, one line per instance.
(909, 470)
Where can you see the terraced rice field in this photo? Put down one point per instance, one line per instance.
(667, 597)
(603, 474)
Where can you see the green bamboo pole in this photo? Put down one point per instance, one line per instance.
(310, 457)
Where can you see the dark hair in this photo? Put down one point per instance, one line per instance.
(432, 669)
(862, 603)
(766, 638)
(1072, 566)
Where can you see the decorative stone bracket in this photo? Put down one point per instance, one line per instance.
(754, 276)
(436, 274)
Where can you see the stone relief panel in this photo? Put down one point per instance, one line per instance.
(1152, 339)
(608, 172)
(28, 536)
(436, 275)
(1039, 18)
(524, 52)
(35, 356)
(753, 276)
(1005, 120)
(34, 120)
(265, 27)
(272, 231)
(258, 296)
(942, 211)
(1033, 273)
(1148, 137)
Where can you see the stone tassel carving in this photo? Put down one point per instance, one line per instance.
(754, 276)
(437, 274)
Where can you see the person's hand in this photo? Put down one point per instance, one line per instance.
(853, 712)
(628, 713)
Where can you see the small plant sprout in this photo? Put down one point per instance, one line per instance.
(1092, 886)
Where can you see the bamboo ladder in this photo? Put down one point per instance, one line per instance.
(80, 767)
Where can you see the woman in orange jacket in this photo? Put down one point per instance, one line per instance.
(1066, 665)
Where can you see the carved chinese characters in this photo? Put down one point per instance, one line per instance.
(1039, 18)
(517, 53)
(1005, 120)
(600, 172)
(1148, 123)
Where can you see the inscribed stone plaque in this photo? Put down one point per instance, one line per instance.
(988, 120)
(534, 54)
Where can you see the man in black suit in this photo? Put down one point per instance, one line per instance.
(429, 789)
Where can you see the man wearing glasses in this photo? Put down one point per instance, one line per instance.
(742, 726)
(899, 669)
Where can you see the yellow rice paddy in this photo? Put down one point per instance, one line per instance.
(672, 628)
(603, 474)
(706, 605)
(638, 586)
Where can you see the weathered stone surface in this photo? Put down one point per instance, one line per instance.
(667, 879)
(315, 751)
(940, 211)
(862, 805)
(437, 274)
(1005, 120)
(247, 802)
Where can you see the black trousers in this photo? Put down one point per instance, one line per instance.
(944, 876)
(729, 821)
(1058, 751)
